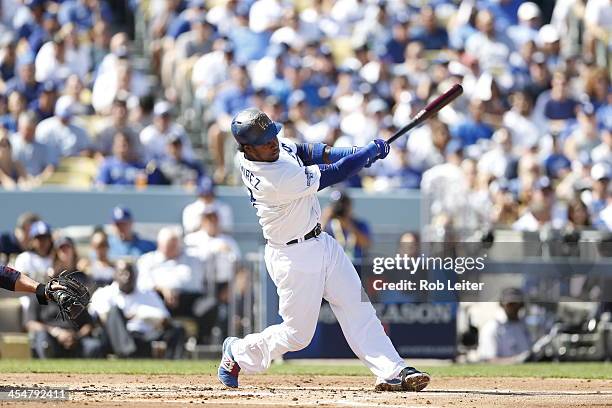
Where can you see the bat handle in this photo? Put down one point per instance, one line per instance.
(414, 122)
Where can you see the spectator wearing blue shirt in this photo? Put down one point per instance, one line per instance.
(396, 46)
(352, 234)
(25, 81)
(431, 35)
(529, 15)
(408, 176)
(29, 17)
(319, 85)
(519, 64)
(279, 86)
(42, 33)
(44, 105)
(124, 242)
(248, 45)
(472, 129)
(122, 168)
(238, 95)
(556, 105)
(64, 136)
(35, 156)
(8, 61)
(176, 169)
(16, 105)
(83, 13)
(600, 176)
(182, 23)
(17, 241)
(505, 11)
(604, 115)
(539, 77)
(557, 165)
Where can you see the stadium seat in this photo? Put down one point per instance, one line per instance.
(76, 171)
(82, 165)
(15, 346)
(14, 343)
(10, 315)
(77, 180)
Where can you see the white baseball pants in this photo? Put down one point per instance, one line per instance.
(303, 274)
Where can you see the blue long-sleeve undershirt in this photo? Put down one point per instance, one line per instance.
(314, 153)
(346, 166)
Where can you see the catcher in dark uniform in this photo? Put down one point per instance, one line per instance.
(69, 336)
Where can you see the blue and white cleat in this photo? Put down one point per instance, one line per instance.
(228, 369)
(409, 379)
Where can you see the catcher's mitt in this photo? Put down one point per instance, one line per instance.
(71, 296)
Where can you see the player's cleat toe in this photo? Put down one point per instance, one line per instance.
(413, 379)
(409, 379)
(229, 368)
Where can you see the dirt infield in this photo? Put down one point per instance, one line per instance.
(98, 390)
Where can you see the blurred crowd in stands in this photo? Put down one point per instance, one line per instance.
(142, 92)
(144, 293)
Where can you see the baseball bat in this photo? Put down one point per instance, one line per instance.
(428, 111)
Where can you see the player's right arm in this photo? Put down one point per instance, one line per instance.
(9, 278)
(320, 153)
(352, 164)
(298, 181)
(15, 281)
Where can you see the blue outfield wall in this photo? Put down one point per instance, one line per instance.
(389, 214)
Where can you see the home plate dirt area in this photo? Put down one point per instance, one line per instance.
(122, 390)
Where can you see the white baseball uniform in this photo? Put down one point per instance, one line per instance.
(284, 194)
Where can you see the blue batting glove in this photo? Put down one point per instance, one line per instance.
(382, 150)
(372, 149)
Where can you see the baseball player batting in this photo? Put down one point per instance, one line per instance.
(305, 263)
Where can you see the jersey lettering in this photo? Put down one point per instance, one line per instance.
(252, 178)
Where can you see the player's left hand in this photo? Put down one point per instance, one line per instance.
(383, 150)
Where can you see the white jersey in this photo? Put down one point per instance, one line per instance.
(283, 193)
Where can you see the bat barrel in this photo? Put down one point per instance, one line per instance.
(428, 111)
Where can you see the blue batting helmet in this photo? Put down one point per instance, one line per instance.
(253, 127)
